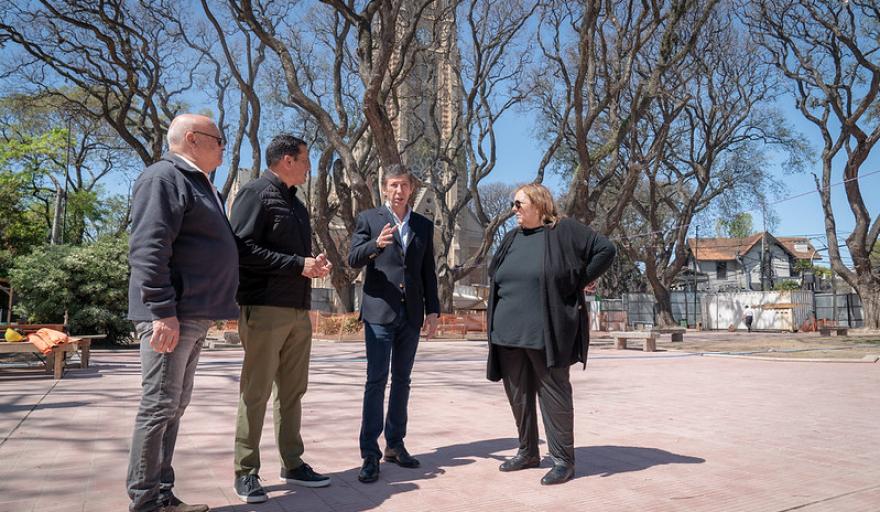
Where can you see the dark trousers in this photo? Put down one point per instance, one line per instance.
(525, 375)
(393, 344)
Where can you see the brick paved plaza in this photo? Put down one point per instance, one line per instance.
(654, 432)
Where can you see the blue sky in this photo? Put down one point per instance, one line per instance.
(519, 154)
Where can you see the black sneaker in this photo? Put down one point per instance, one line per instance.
(249, 490)
(305, 476)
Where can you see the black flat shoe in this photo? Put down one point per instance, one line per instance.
(370, 470)
(518, 462)
(560, 474)
(401, 457)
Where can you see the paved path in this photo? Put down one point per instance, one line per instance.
(654, 432)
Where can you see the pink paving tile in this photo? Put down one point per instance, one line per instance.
(653, 433)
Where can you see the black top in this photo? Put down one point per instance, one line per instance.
(273, 225)
(395, 278)
(182, 252)
(574, 255)
(518, 319)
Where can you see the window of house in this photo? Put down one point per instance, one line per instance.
(721, 269)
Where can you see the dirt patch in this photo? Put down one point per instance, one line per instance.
(790, 347)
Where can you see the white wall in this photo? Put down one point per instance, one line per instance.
(776, 311)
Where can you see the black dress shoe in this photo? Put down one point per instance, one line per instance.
(560, 474)
(518, 462)
(401, 457)
(370, 470)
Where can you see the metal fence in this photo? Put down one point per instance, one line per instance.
(843, 308)
(642, 309)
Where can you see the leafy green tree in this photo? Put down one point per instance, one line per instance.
(90, 282)
(738, 226)
(70, 162)
(21, 225)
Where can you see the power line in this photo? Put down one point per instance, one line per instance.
(783, 200)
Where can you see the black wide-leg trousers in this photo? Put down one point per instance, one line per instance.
(525, 375)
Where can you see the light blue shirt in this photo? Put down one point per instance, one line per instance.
(403, 228)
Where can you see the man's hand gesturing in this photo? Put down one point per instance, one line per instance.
(386, 237)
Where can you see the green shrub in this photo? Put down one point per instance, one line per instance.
(89, 281)
(786, 285)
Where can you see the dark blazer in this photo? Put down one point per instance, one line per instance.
(273, 225)
(574, 256)
(182, 252)
(393, 277)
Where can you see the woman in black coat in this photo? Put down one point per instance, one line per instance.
(538, 324)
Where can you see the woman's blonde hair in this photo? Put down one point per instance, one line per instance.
(541, 197)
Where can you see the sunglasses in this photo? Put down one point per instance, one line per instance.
(517, 204)
(220, 140)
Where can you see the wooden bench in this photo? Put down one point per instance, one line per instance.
(621, 337)
(838, 331)
(55, 360)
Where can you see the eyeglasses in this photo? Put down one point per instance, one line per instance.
(220, 140)
(517, 204)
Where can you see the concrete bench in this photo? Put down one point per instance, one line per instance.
(838, 331)
(676, 333)
(621, 337)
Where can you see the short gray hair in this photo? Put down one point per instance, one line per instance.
(399, 171)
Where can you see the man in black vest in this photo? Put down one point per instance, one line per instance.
(396, 245)
(276, 268)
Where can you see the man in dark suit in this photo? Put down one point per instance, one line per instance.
(396, 245)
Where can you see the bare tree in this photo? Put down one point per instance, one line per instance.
(375, 42)
(117, 51)
(234, 57)
(829, 53)
(706, 138)
(495, 197)
(591, 50)
(472, 72)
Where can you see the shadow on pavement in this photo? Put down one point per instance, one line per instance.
(351, 495)
(609, 460)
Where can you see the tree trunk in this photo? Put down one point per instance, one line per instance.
(870, 296)
(342, 283)
(57, 235)
(446, 289)
(664, 305)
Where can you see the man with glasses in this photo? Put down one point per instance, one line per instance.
(276, 266)
(184, 273)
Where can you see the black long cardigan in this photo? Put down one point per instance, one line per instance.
(574, 256)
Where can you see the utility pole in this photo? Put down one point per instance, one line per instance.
(66, 180)
(696, 246)
(764, 248)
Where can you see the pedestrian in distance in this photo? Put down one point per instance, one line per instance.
(748, 317)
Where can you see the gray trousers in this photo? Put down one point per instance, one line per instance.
(525, 375)
(167, 382)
